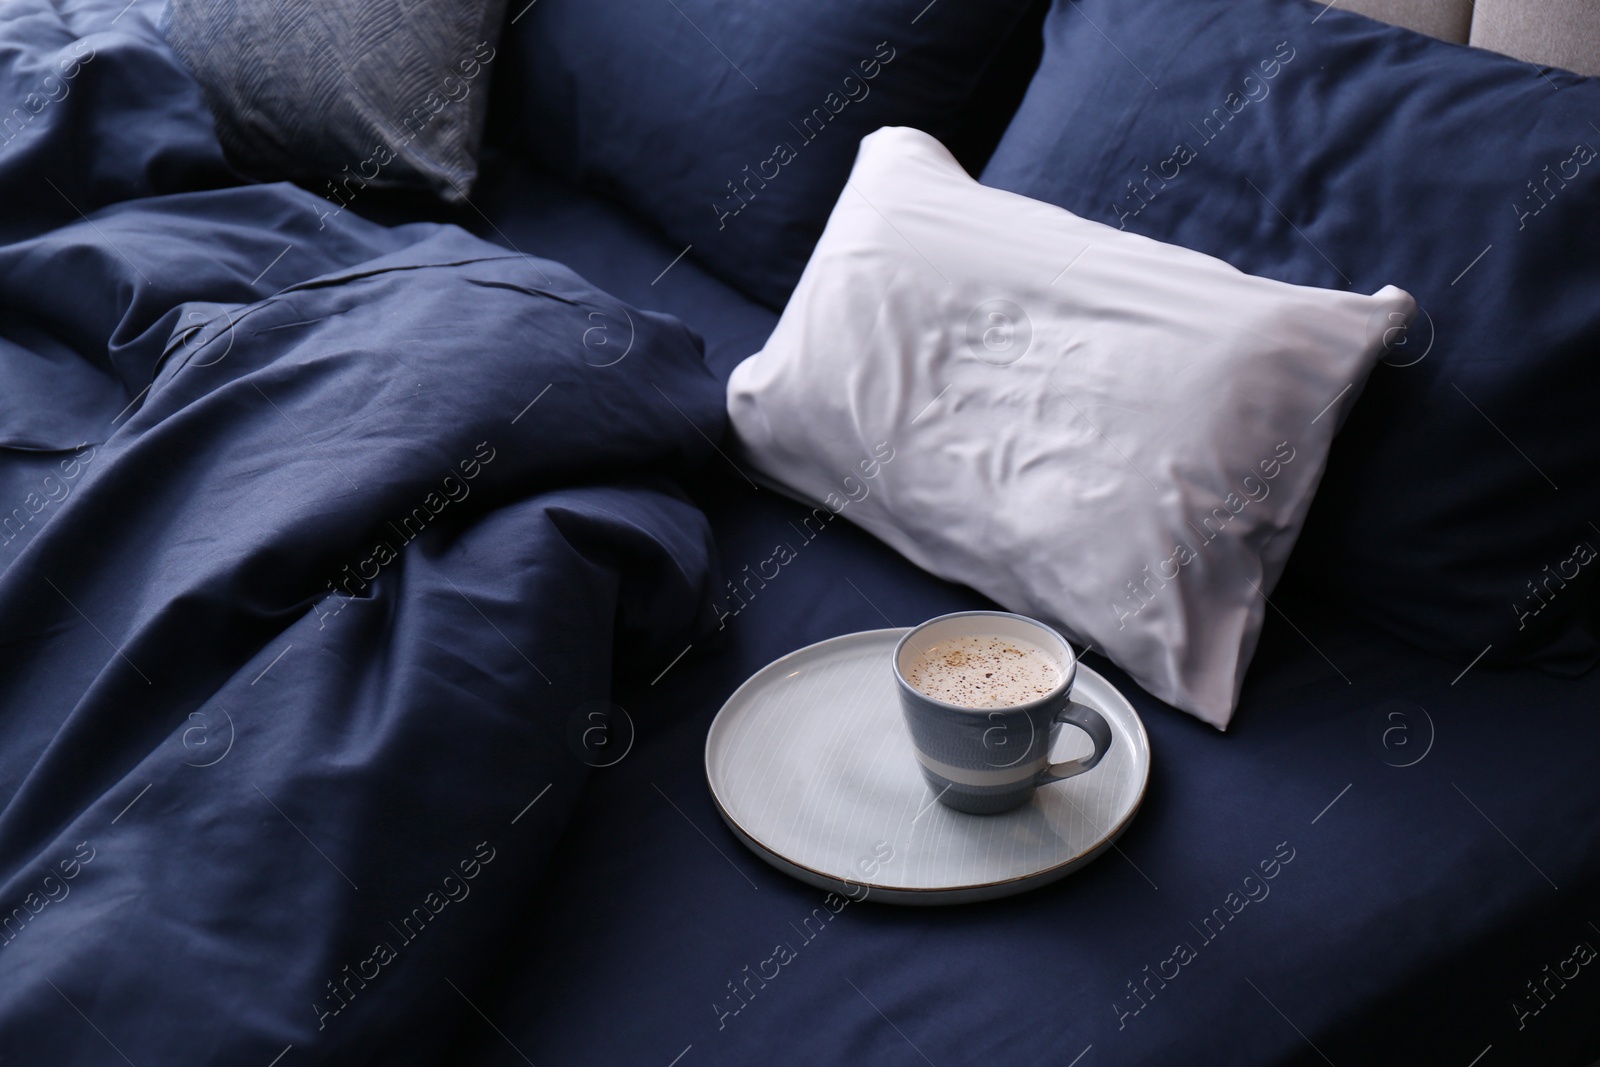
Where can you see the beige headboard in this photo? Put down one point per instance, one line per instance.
(1557, 33)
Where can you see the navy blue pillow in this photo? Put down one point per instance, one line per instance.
(1319, 147)
(732, 126)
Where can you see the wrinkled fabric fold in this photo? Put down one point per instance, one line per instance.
(320, 543)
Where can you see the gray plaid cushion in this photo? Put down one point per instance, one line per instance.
(342, 94)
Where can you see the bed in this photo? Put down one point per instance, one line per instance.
(325, 802)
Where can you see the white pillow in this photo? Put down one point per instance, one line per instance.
(1115, 435)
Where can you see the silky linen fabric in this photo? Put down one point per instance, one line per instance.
(289, 650)
(1109, 433)
(307, 610)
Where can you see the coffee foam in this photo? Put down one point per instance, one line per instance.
(984, 671)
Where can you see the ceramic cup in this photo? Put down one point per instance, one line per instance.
(989, 760)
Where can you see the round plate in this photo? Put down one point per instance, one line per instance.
(811, 767)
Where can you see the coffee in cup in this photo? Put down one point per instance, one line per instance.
(983, 694)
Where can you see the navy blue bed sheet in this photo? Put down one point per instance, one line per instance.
(1434, 831)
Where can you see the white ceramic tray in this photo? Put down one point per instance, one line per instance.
(811, 766)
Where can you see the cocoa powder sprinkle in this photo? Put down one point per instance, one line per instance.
(984, 671)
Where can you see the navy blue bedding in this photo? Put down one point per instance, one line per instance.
(268, 795)
(322, 544)
(1444, 831)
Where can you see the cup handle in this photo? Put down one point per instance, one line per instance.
(1090, 722)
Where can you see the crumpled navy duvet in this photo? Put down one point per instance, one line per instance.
(320, 543)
